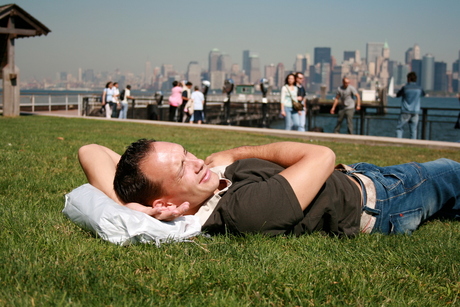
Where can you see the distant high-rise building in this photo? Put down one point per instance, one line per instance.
(167, 70)
(386, 51)
(349, 56)
(270, 74)
(148, 73)
(299, 61)
(416, 66)
(217, 79)
(246, 61)
(322, 54)
(401, 74)
(63, 76)
(428, 72)
(255, 74)
(213, 59)
(409, 56)
(194, 73)
(373, 51)
(336, 76)
(440, 76)
(280, 72)
(224, 63)
(417, 54)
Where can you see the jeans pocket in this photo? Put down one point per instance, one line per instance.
(406, 221)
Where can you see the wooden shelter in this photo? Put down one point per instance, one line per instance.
(14, 23)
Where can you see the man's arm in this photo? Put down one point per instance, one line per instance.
(334, 105)
(307, 166)
(99, 164)
(358, 101)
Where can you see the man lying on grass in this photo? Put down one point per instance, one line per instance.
(278, 188)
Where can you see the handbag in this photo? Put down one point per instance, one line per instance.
(295, 104)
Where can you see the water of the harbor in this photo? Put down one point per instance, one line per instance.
(440, 126)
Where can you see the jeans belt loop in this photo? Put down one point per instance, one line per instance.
(367, 220)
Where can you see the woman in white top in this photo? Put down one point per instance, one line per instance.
(288, 94)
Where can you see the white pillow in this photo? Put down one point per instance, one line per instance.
(92, 210)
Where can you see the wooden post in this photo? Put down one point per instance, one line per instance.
(11, 95)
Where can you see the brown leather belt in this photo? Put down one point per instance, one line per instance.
(367, 220)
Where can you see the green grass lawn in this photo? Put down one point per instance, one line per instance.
(48, 261)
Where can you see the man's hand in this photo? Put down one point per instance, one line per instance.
(161, 213)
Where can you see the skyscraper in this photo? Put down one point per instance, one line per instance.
(416, 66)
(373, 51)
(194, 73)
(349, 55)
(322, 54)
(255, 74)
(440, 76)
(428, 72)
(213, 59)
(224, 63)
(246, 61)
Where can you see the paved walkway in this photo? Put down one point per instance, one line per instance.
(316, 136)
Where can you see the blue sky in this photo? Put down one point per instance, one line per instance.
(105, 35)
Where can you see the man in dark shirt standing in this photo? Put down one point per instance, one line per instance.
(410, 106)
(301, 93)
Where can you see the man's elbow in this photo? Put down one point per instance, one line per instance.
(86, 151)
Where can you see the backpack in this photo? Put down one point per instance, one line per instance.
(122, 95)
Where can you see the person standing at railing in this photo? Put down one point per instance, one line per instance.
(457, 124)
(124, 102)
(116, 100)
(301, 93)
(107, 99)
(410, 106)
(346, 94)
(175, 99)
(288, 94)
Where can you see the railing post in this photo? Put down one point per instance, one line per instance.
(33, 102)
(362, 114)
(49, 103)
(424, 122)
(67, 102)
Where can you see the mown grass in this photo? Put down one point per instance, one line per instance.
(47, 260)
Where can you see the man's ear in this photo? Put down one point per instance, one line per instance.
(161, 202)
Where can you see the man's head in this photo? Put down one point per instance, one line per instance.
(163, 174)
(345, 82)
(299, 78)
(115, 84)
(188, 84)
(128, 87)
(197, 88)
(412, 77)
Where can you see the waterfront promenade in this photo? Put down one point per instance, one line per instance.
(313, 136)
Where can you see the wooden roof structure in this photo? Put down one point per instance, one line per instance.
(16, 23)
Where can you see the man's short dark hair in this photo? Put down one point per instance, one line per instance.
(130, 183)
(128, 87)
(189, 83)
(412, 77)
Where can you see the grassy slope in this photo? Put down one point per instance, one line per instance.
(47, 260)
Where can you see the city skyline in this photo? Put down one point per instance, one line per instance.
(125, 36)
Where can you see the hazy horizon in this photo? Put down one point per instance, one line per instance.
(109, 35)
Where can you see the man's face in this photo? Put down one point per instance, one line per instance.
(345, 82)
(299, 79)
(184, 177)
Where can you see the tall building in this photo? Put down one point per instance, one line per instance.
(167, 70)
(386, 51)
(194, 73)
(322, 54)
(246, 61)
(417, 54)
(213, 59)
(299, 62)
(440, 76)
(224, 63)
(280, 72)
(373, 51)
(401, 74)
(270, 74)
(148, 73)
(409, 56)
(428, 72)
(254, 74)
(349, 56)
(416, 66)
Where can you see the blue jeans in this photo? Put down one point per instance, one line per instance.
(292, 119)
(409, 194)
(124, 110)
(403, 119)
